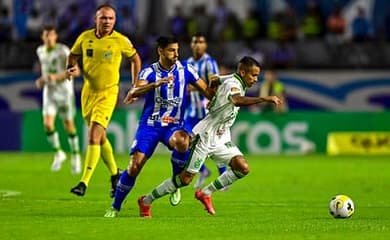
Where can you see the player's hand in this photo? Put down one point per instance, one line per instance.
(39, 83)
(129, 97)
(72, 72)
(274, 99)
(162, 81)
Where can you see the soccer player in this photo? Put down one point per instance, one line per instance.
(207, 69)
(213, 138)
(164, 84)
(58, 97)
(101, 50)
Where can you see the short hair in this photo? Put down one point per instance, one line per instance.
(200, 34)
(247, 62)
(48, 28)
(164, 41)
(106, 5)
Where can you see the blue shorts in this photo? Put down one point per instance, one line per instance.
(190, 122)
(147, 138)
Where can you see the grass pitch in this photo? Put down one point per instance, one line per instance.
(284, 197)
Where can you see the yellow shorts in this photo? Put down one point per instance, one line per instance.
(98, 106)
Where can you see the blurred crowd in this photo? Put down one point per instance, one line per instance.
(284, 24)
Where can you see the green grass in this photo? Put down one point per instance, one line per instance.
(284, 197)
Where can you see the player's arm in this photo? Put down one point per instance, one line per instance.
(135, 64)
(239, 100)
(202, 87)
(73, 69)
(143, 86)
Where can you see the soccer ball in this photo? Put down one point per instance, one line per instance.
(341, 206)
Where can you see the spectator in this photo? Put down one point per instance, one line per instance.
(387, 25)
(34, 25)
(178, 24)
(313, 22)
(251, 25)
(335, 26)
(361, 27)
(289, 25)
(270, 86)
(6, 26)
(127, 23)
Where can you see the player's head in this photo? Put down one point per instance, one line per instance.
(168, 50)
(198, 44)
(105, 19)
(49, 36)
(248, 69)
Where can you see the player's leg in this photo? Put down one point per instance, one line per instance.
(204, 173)
(54, 140)
(104, 109)
(196, 158)
(145, 142)
(73, 140)
(227, 154)
(178, 139)
(96, 132)
(238, 169)
(67, 113)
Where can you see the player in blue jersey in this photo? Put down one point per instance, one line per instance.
(207, 69)
(164, 85)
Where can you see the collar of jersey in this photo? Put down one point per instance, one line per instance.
(240, 80)
(165, 70)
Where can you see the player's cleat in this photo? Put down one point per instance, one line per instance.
(114, 181)
(59, 158)
(175, 197)
(206, 201)
(202, 177)
(111, 213)
(144, 210)
(79, 190)
(75, 163)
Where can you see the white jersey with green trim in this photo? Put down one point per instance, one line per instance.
(54, 61)
(222, 112)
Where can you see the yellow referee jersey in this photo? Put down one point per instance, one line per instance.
(102, 57)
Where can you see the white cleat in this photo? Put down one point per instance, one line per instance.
(59, 158)
(75, 164)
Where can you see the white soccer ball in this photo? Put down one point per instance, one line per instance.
(341, 206)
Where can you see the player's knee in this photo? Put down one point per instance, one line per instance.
(186, 178)
(181, 141)
(239, 165)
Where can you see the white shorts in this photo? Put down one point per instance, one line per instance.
(221, 151)
(64, 107)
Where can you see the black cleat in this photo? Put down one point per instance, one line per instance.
(114, 181)
(79, 190)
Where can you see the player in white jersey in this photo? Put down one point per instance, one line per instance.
(58, 97)
(196, 109)
(213, 137)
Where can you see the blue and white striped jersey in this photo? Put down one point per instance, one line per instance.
(166, 104)
(206, 66)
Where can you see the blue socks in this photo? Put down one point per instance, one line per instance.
(178, 161)
(125, 184)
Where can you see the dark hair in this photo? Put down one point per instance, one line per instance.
(247, 62)
(199, 34)
(106, 5)
(49, 28)
(163, 41)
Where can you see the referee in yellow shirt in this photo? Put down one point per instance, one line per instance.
(101, 50)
